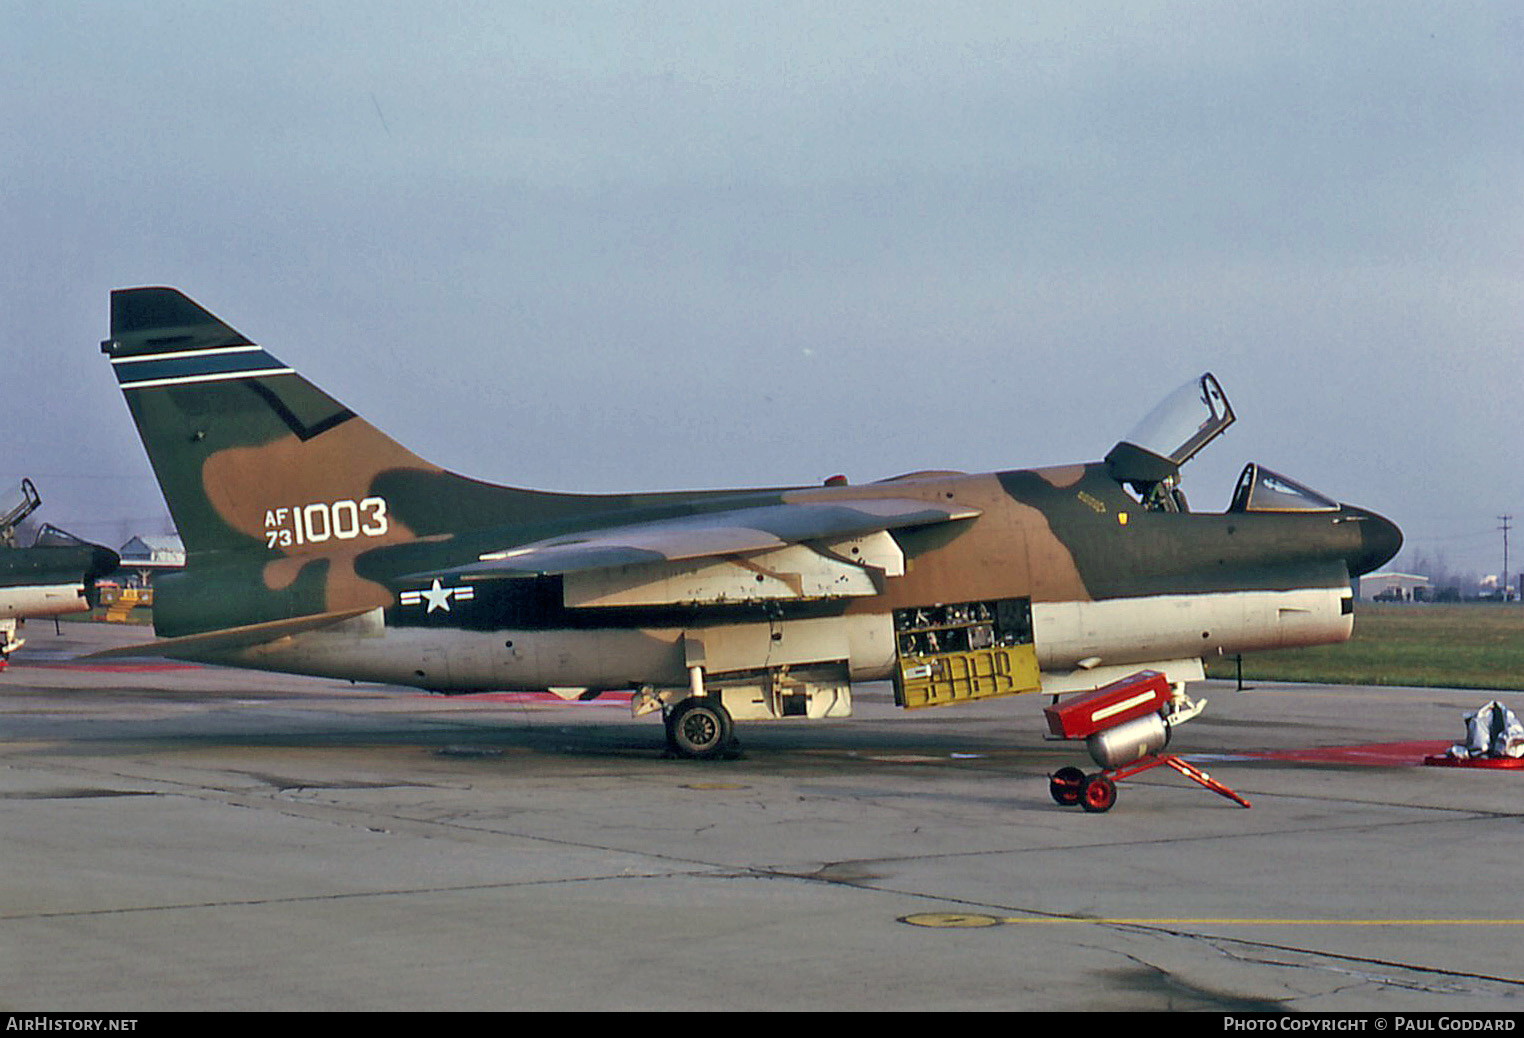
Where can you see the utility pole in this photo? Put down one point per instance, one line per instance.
(1507, 580)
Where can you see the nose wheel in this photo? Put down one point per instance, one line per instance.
(9, 642)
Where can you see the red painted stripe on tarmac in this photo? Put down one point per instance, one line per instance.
(1375, 755)
(111, 668)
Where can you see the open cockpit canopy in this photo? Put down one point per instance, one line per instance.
(1149, 457)
(16, 504)
(1184, 422)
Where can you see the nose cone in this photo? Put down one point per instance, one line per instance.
(103, 562)
(1380, 541)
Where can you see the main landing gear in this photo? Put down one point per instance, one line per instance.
(700, 728)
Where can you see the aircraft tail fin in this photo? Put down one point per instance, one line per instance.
(252, 457)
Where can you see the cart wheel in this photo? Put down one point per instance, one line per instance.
(1064, 785)
(1098, 794)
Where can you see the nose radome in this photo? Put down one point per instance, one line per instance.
(1380, 541)
(102, 562)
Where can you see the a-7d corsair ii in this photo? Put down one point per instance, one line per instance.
(55, 576)
(316, 544)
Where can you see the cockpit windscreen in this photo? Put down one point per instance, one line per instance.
(1260, 490)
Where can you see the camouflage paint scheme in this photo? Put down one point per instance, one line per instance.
(316, 543)
(55, 576)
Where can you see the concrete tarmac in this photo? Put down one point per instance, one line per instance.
(190, 838)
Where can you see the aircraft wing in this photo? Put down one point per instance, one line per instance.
(819, 549)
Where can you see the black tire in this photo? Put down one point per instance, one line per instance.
(1098, 794)
(1064, 786)
(700, 728)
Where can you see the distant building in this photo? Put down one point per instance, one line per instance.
(145, 556)
(1394, 587)
(1495, 588)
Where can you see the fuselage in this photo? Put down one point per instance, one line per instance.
(1109, 583)
(55, 577)
(51, 580)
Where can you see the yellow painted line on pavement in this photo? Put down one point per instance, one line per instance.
(957, 920)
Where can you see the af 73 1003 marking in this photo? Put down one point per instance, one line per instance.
(323, 521)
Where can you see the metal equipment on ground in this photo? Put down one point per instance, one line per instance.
(1124, 724)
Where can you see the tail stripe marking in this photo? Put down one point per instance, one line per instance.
(182, 354)
(169, 369)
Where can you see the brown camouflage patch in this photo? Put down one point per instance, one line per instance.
(1009, 551)
(251, 486)
(1062, 476)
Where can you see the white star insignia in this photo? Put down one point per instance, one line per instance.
(437, 596)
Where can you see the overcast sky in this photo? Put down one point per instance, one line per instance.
(610, 246)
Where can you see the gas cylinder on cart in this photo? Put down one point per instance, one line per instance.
(1122, 744)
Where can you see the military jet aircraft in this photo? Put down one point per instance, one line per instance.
(316, 544)
(56, 575)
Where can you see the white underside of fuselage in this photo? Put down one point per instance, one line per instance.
(1072, 638)
(37, 600)
(1125, 630)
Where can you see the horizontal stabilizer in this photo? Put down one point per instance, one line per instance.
(219, 643)
(735, 532)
